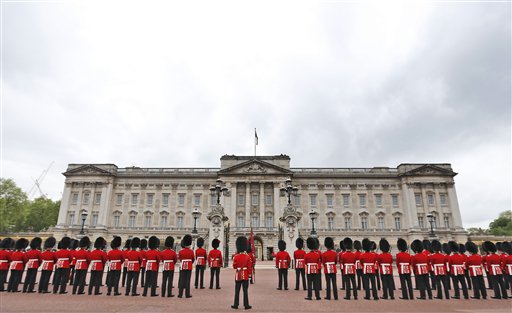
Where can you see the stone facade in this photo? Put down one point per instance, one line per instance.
(357, 202)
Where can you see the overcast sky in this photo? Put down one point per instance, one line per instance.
(331, 84)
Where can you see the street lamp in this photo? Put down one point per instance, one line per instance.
(84, 217)
(195, 214)
(313, 215)
(217, 190)
(431, 219)
(290, 189)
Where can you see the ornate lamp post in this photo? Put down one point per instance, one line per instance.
(84, 217)
(195, 214)
(217, 190)
(431, 218)
(290, 189)
(313, 215)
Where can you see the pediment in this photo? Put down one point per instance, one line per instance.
(254, 166)
(430, 170)
(87, 169)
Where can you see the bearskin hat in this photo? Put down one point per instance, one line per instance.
(384, 245)
(311, 243)
(347, 243)
(99, 243)
(507, 247)
(489, 246)
(401, 244)
(241, 244)
(143, 244)
(462, 248)
(26, 242)
(153, 242)
(454, 247)
(65, 242)
(299, 243)
(417, 246)
(446, 248)
(471, 247)
(169, 242)
(135, 243)
(6, 243)
(116, 242)
(85, 242)
(374, 246)
(36, 243)
(200, 242)
(20, 244)
(498, 246)
(186, 241)
(329, 243)
(436, 245)
(74, 244)
(357, 245)
(281, 244)
(49, 242)
(427, 245)
(342, 248)
(249, 248)
(215, 243)
(367, 244)
(128, 243)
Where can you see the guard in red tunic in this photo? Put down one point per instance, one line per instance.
(476, 271)
(241, 264)
(33, 262)
(437, 261)
(62, 267)
(48, 260)
(320, 263)
(495, 271)
(169, 260)
(300, 268)
(312, 262)
(329, 260)
(126, 248)
(419, 263)
(282, 264)
(348, 260)
(359, 267)
(143, 249)
(186, 257)
(462, 251)
(115, 258)
(98, 259)
(200, 263)
(82, 260)
(340, 254)
(73, 248)
(427, 250)
(134, 260)
(368, 260)
(18, 261)
(385, 263)
(5, 259)
(215, 263)
(446, 253)
(507, 263)
(457, 263)
(152, 266)
(403, 264)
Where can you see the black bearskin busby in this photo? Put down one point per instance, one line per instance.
(200, 242)
(489, 246)
(128, 244)
(143, 244)
(384, 245)
(186, 241)
(446, 248)
(153, 242)
(74, 244)
(6, 243)
(35, 243)
(116, 242)
(436, 245)
(20, 244)
(49, 242)
(427, 245)
(169, 242)
(374, 246)
(471, 247)
(498, 246)
(281, 244)
(347, 243)
(65, 242)
(241, 244)
(135, 243)
(462, 248)
(311, 243)
(85, 242)
(329, 243)
(215, 243)
(367, 245)
(507, 247)
(299, 243)
(417, 246)
(357, 245)
(454, 247)
(401, 244)
(99, 243)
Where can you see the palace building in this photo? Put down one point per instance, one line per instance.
(410, 201)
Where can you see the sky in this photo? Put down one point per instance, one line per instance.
(329, 83)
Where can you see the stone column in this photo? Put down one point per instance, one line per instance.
(262, 204)
(64, 206)
(104, 211)
(248, 204)
(234, 203)
(410, 206)
(454, 207)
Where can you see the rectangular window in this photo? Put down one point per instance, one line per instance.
(150, 197)
(434, 222)
(94, 220)
(97, 198)
(213, 200)
(71, 219)
(241, 199)
(197, 200)
(240, 220)
(270, 222)
(165, 199)
(330, 223)
(442, 197)
(348, 222)
(163, 221)
(446, 221)
(380, 222)
(430, 199)
(378, 200)
(254, 199)
(397, 223)
(312, 200)
(346, 200)
(268, 199)
(147, 221)
(297, 200)
(394, 200)
(131, 221)
(364, 222)
(421, 223)
(179, 222)
(362, 200)
(181, 199)
(255, 221)
(135, 198)
(74, 198)
(117, 219)
(330, 200)
(417, 198)
(86, 198)
(119, 199)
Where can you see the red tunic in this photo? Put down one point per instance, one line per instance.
(143, 255)
(312, 260)
(186, 256)
(242, 264)
(4, 260)
(419, 263)
(494, 264)
(18, 260)
(507, 264)
(358, 262)
(348, 259)
(368, 260)
(457, 264)
(152, 260)
(48, 258)
(215, 258)
(81, 259)
(385, 262)
(63, 258)
(298, 257)
(169, 259)
(438, 262)
(330, 259)
(116, 258)
(134, 260)
(283, 260)
(34, 258)
(200, 256)
(403, 263)
(475, 265)
(73, 256)
(98, 259)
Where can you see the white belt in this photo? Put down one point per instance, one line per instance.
(151, 261)
(33, 260)
(328, 263)
(115, 261)
(95, 261)
(168, 261)
(62, 259)
(47, 261)
(240, 268)
(16, 262)
(133, 262)
(2, 261)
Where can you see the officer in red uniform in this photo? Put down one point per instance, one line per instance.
(348, 260)
(33, 262)
(385, 263)
(329, 260)
(476, 272)
(419, 263)
(312, 261)
(359, 267)
(200, 263)
(446, 253)
(98, 258)
(241, 264)
(115, 258)
(298, 259)
(319, 263)
(18, 261)
(340, 253)
(143, 249)
(437, 261)
(82, 260)
(186, 257)
(169, 260)
(48, 260)
(282, 264)
(462, 251)
(134, 260)
(63, 266)
(5, 259)
(215, 263)
(403, 264)
(457, 269)
(73, 248)
(126, 248)
(368, 260)
(152, 266)
(495, 271)
(507, 263)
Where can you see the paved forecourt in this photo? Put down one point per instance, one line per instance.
(263, 297)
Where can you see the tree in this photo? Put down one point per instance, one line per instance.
(42, 213)
(13, 203)
(502, 226)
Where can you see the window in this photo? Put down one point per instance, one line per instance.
(131, 221)
(181, 199)
(348, 222)
(297, 200)
(213, 200)
(86, 198)
(135, 198)
(97, 198)
(163, 221)
(268, 199)
(179, 222)
(197, 199)
(240, 220)
(397, 222)
(394, 200)
(430, 199)
(380, 222)
(442, 197)
(417, 198)
(94, 220)
(434, 221)
(254, 199)
(446, 221)
(312, 200)
(71, 219)
(330, 222)
(165, 199)
(346, 200)
(421, 222)
(255, 220)
(269, 221)
(74, 198)
(364, 222)
(330, 200)
(119, 199)
(117, 219)
(150, 199)
(362, 200)
(147, 221)
(378, 200)
(241, 199)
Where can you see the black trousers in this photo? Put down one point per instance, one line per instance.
(283, 277)
(387, 286)
(14, 281)
(377, 279)
(95, 281)
(497, 284)
(442, 280)
(167, 283)
(479, 287)
(61, 279)
(44, 281)
(406, 285)
(214, 271)
(132, 279)
(468, 278)
(508, 281)
(199, 276)
(462, 279)
(184, 283)
(489, 280)
(72, 275)
(125, 271)
(359, 278)
(3, 279)
(151, 278)
(367, 280)
(113, 281)
(300, 274)
(313, 284)
(142, 276)
(245, 286)
(30, 279)
(79, 281)
(433, 281)
(424, 285)
(330, 280)
(350, 284)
